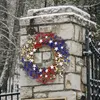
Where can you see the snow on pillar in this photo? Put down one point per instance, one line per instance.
(70, 23)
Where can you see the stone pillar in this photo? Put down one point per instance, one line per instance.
(70, 23)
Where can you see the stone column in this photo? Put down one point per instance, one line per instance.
(70, 23)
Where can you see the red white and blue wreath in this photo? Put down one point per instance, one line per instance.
(59, 49)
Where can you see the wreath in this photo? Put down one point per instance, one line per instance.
(59, 49)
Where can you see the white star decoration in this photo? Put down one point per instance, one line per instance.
(56, 48)
(31, 60)
(41, 41)
(52, 67)
(25, 60)
(40, 70)
(33, 68)
(34, 50)
(61, 63)
(46, 75)
(31, 53)
(62, 47)
(46, 70)
(40, 75)
(34, 65)
(60, 55)
(46, 37)
(50, 41)
(55, 43)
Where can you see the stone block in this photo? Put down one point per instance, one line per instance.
(79, 61)
(66, 31)
(45, 48)
(78, 69)
(45, 28)
(51, 28)
(26, 92)
(83, 34)
(73, 81)
(38, 57)
(47, 63)
(70, 95)
(74, 48)
(23, 39)
(83, 87)
(40, 95)
(70, 67)
(26, 80)
(23, 31)
(48, 88)
(77, 32)
(59, 79)
(84, 80)
(46, 55)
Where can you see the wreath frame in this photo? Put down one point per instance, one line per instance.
(58, 47)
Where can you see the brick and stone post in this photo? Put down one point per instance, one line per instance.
(70, 23)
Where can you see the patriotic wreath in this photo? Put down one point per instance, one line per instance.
(59, 49)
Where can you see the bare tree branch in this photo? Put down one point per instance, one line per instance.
(4, 72)
(9, 14)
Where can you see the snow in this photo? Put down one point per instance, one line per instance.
(58, 14)
(60, 7)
